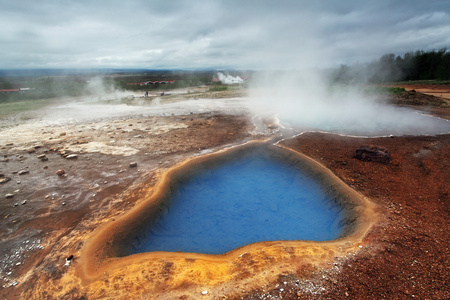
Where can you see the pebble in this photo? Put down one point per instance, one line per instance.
(24, 202)
(22, 172)
(9, 195)
(72, 156)
(60, 172)
(133, 164)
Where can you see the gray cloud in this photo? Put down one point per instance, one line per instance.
(235, 34)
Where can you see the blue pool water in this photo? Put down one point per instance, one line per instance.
(249, 199)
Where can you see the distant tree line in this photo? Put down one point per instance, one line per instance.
(418, 65)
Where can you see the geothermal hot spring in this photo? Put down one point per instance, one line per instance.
(248, 194)
(251, 197)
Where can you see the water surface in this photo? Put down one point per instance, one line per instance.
(252, 198)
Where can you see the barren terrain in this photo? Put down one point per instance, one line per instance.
(111, 164)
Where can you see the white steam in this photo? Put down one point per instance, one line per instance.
(228, 79)
(98, 89)
(305, 101)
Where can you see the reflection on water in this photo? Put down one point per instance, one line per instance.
(249, 199)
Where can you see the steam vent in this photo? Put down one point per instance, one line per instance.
(105, 257)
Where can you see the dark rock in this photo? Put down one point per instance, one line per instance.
(133, 164)
(373, 153)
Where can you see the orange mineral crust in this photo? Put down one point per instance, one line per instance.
(166, 275)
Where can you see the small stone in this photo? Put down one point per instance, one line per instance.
(31, 150)
(9, 195)
(204, 292)
(22, 172)
(41, 156)
(133, 164)
(60, 172)
(44, 159)
(16, 204)
(24, 202)
(62, 134)
(4, 179)
(72, 156)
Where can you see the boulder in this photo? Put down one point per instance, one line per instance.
(373, 153)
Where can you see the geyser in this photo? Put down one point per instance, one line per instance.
(254, 196)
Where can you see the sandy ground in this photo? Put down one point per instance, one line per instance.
(47, 218)
(437, 90)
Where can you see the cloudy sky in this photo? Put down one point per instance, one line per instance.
(241, 34)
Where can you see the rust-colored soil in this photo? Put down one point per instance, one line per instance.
(437, 90)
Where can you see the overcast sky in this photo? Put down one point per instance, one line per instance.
(239, 34)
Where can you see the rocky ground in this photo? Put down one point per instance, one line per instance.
(47, 213)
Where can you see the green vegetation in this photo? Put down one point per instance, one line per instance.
(385, 90)
(433, 81)
(218, 88)
(14, 107)
(412, 66)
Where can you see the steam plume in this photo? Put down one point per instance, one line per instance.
(228, 79)
(307, 101)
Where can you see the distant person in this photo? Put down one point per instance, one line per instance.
(146, 93)
(162, 94)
